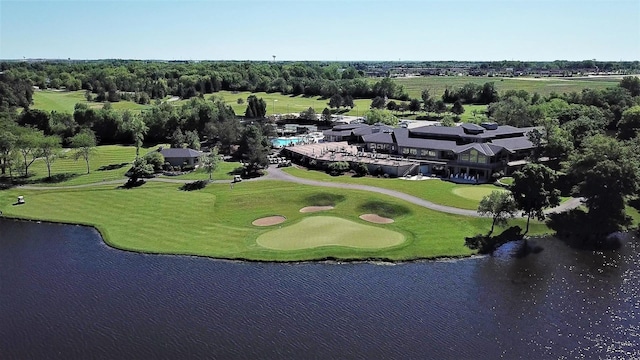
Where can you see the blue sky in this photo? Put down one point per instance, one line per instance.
(322, 30)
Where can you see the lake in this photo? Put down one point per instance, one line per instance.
(64, 294)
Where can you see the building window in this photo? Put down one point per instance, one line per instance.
(473, 155)
(405, 151)
(372, 146)
(413, 151)
(464, 157)
(482, 159)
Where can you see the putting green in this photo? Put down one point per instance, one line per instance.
(318, 231)
(475, 192)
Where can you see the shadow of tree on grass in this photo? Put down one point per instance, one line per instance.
(324, 199)
(113, 166)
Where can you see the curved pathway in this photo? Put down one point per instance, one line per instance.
(276, 173)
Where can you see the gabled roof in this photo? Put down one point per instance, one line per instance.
(180, 153)
(483, 148)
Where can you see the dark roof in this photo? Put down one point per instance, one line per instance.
(459, 131)
(347, 126)
(357, 130)
(513, 144)
(180, 153)
(402, 137)
(487, 149)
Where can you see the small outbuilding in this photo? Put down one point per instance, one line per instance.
(181, 156)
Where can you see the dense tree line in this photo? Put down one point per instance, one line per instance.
(591, 139)
(142, 81)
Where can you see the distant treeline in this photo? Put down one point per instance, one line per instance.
(143, 81)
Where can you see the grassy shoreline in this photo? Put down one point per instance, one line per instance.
(215, 222)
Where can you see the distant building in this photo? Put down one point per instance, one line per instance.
(180, 156)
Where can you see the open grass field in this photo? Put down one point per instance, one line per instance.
(65, 101)
(436, 191)
(544, 86)
(109, 162)
(318, 231)
(475, 193)
(216, 221)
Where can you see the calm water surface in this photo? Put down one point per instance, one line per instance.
(65, 294)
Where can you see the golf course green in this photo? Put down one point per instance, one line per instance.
(318, 231)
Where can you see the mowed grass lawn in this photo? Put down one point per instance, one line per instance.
(317, 231)
(65, 101)
(434, 190)
(544, 86)
(216, 221)
(108, 162)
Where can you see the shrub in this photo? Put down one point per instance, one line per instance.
(156, 160)
(361, 169)
(188, 167)
(338, 168)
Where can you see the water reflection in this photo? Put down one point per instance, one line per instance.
(64, 294)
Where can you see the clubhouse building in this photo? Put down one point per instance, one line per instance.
(468, 152)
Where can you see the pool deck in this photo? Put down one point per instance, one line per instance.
(342, 151)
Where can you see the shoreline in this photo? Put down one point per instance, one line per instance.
(382, 261)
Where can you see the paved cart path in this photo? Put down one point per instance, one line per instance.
(276, 173)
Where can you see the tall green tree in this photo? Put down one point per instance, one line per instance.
(629, 125)
(631, 83)
(534, 190)
(375, 116)
(28, 144)
(500, 205)
(253, 149)
(428, 102)
(85, 144)
(192, 139)
(457, 108)
(209, 162)
(378, 102)
(137, 127)
(326, 115)
(256, 108)
(414, 105)
(336, 101)
(606, 171)
(8, 140)
(50, 147)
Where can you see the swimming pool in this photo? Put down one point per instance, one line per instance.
(286, 141)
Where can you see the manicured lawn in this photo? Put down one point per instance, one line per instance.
(544, 86)
(109, 162)
(216, 221)
(436, 191)
(65, 101)
(475, 193)
(318, 231)
(223, 172)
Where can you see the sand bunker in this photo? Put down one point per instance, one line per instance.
(269, 220)
(310, 209)
(375, 218)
